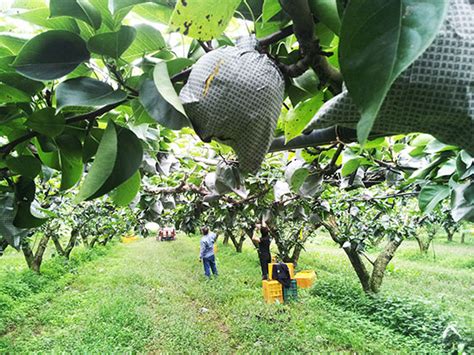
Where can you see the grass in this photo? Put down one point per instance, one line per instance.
(152, 297)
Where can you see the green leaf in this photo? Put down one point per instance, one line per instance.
(47, 144)
(203, 19)
(125, 193)
(435, 146)
(464, 164)
(466, 158)
(25, 194)
(21, 83)
(91, 144)
(116, 5)
(154, 12)
(118, 157)
(297, 118)
(263, 29)
(177, 65)
(103, 7)
(431, 195)
(270, 9)
(40, 17)
(87, 92)
(10, 94)
(462, 204)
(45, 121)
(112, 44)
(140, 116)
(376, 143)
(28, 4)
(4, 52)
(148, 41)
(447, 169)
(25, 165)
(326, 12)
(13, 44)
(81, 9)
(8, 212)
(326, 40)
(70, 160)
(26, 219)
(159, 109)
(380, 39)
(311, 185)
(50, 158)
(165, 87)
(308, 82)
(350, 166)
(296, 174)
(40, 58)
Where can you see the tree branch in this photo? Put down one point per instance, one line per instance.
(206, 46)
(264, 42)
(396, 195)
(319, 137)
(181, 76)
(311, 52)
(202, 191)
(277, 36)
(8, 148)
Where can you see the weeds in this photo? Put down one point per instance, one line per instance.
(410, 317)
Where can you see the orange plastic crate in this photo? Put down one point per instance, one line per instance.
(305, 278)
(290, 267)
(272, 291)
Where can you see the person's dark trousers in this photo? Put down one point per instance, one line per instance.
(209, 264)
(265, 259)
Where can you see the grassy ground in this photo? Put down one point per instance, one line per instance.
(150, 296)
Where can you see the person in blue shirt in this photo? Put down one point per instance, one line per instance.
(207, 252)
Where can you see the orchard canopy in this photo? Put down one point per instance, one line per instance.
(247, 107)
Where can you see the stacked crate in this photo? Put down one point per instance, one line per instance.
(290, 293)
(305, 278)
(274, 292)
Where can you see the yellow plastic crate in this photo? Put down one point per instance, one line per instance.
(272, 291)
(305, 278)
(290, 267)
(129, 239)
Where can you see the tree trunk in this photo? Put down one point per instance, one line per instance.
(296, 253)
(39, 253)
(282, 251)
(57, 245)
(34, 260)
(241, 243)
(93, 241)
(380, 264)
(360, 269)
(354, 257)
(85, 241)
(238, 244)
(71, 244)
(423, 246)
(463, 236)
(109, 238)
(3, 246)
(449, 233)
(27, 253)
(225, 241)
